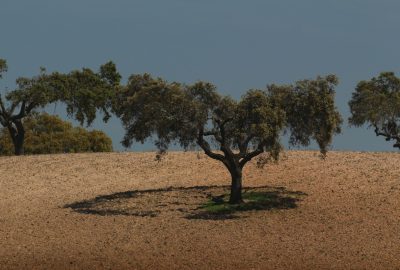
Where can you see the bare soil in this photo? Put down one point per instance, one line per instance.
(128, 211)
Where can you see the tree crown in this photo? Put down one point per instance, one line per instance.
(83, 91)
(197, 114)
(377, 103)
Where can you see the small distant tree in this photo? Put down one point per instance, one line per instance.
(83, 91)
(49, 134)
(377, 103)
(232, 132)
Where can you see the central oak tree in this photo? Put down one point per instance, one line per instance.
(233, 132)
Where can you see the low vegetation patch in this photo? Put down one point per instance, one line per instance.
(253, 200)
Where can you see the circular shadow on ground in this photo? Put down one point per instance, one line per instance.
(198, 202)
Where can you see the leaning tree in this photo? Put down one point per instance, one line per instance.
(377, 103)
(84, 92)
(233, 132)
(31, 94)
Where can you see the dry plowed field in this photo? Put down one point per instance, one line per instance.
(128, 211)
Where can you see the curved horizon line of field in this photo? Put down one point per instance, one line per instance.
(131, 212)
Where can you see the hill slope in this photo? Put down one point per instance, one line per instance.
(112, 211)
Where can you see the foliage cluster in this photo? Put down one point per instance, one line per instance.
(376, 102)
(48, 134)
(186, 114)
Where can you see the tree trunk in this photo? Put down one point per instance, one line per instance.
(236, 186)
(19, 146)
(17, 133)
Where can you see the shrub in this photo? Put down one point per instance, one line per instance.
(49, 134)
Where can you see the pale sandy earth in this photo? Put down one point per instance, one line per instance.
(349, 219)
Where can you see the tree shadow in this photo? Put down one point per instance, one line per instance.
(198, 202)
(254, 199)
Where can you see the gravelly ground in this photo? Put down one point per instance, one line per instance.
(115, 211)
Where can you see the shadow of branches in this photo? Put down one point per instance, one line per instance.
(198, 202)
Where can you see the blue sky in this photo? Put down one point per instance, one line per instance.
(237, 45)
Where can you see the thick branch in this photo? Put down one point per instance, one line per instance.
(386, 134)
(244, 145)
(3, 122)
(30, 107)
(3, 109)
(213, 133)
(222, 140)
(4, 115)
(21, 112)
(19, 126)
(206, 148)
(209, 133)
(223, 123)
(13, 106)
(252, 154)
